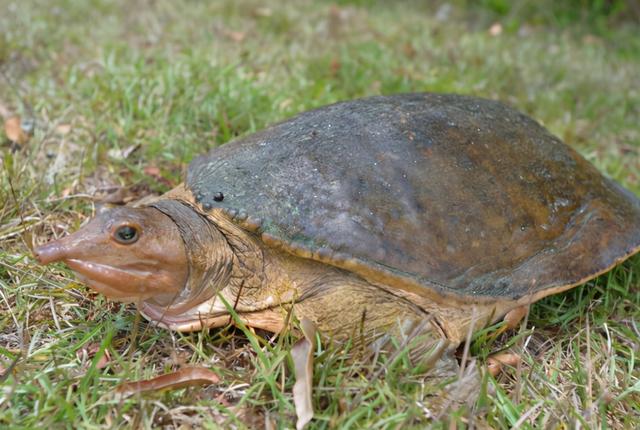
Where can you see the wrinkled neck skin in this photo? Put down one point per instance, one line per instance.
(226, 264)
(210, 261)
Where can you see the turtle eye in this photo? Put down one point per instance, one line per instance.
(126, 234)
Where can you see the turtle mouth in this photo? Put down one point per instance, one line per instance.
(126, 285)
(107, 290)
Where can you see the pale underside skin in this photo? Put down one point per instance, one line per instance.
(343, 301)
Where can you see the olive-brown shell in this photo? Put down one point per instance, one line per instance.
(446, 193)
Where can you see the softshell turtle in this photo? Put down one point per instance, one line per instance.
(374, 214)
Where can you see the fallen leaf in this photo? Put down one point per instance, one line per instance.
(495, 29)
(444, 12)
(14, 131)
(409, 50)
(156, 174)
(334, 66)
(6, 371)
(525, 30)
(591, 39)
(263, 11)
(104, 360)
(284, 104)
(118, 195)
(110, 196)
(152, 171)
(302, 354)
(4, 111)
(63, 129)
(187, 377)
(124, 153)
(495, 362)
(337, 20)
(236, 36)
(90, 351)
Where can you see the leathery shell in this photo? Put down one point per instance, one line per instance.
(432, 193)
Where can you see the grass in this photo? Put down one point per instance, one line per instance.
(173, 79)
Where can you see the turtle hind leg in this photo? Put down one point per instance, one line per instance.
(397, 334)
(348, 307)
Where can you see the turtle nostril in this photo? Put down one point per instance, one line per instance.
(49, 252)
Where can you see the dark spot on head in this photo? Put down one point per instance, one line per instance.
(218, 197)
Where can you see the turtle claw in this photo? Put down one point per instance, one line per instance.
(456, 390)
(511, 320)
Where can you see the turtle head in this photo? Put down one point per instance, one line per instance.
(126, 253)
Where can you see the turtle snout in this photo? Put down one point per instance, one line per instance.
(50, 252)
